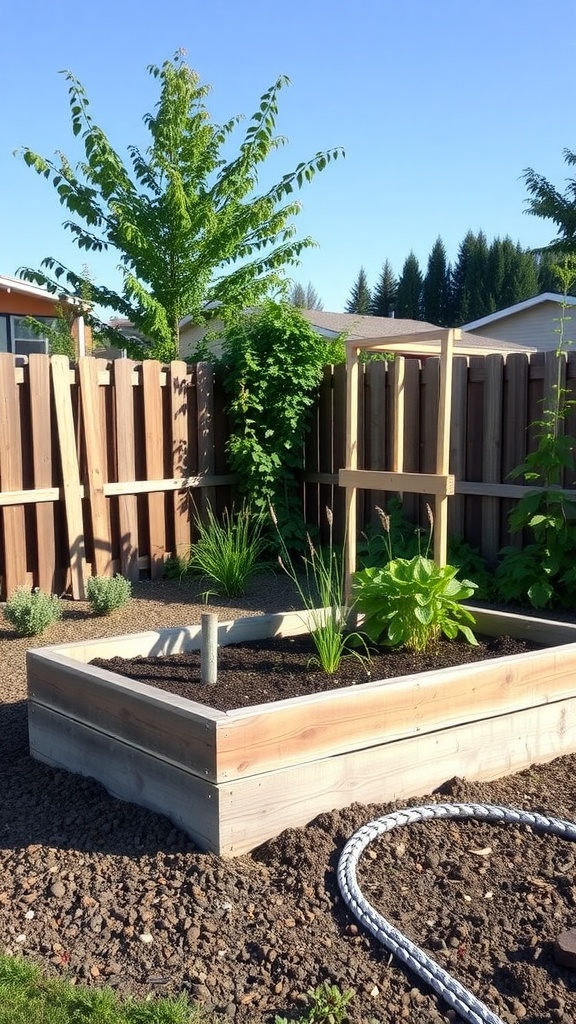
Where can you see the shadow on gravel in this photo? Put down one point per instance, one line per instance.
(45, 806)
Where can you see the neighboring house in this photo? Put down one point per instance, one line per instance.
(532, 325)
(354, 325)
(19, 300)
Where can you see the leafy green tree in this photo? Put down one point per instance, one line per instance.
(409, 293)
(305, 297)
(548, 202)
(436, 289)
(360, 300)
(384, 294)
(191, 232)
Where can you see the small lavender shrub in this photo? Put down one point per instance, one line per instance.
(107, 593)
(32, 611)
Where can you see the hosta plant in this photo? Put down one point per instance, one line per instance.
(411, 602)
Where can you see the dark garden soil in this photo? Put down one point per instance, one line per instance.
(105, 892)
(263, 671)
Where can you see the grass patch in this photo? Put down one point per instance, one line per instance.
(26, 997)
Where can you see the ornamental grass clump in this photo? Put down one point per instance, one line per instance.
(323, 595)
(411, 602)
(228, 553)
(32, 611)
(106, 594)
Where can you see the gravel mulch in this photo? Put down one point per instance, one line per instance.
(105, 892)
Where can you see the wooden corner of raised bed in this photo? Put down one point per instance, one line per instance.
(232, 780)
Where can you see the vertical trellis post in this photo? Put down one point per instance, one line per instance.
(440, 483)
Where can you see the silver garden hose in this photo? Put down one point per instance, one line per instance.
(450, 990)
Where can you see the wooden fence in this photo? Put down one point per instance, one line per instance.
(102, 464)
(496, 402)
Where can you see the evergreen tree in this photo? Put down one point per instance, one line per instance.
(305, 297)
(409, 294)
(360, 300)
(548, 280)
(384, 294)
(526, 274)
(189, 229)
(512, 274)
(476, 284)
(459, 278)
(436, 290)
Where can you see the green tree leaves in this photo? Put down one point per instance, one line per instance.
(191, 230)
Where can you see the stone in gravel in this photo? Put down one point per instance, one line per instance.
(58, 890)
(565, 949)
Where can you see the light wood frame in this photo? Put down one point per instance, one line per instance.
(437, 342)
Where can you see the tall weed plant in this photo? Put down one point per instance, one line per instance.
(411, 602)
(543, 571)
(322, 594)
(228, 552)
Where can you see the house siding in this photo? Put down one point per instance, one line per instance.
(26, 305)
(536, 327)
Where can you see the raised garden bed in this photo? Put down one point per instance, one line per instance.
(233, 779)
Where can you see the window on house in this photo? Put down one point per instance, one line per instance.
(4, 346)
(24, 340)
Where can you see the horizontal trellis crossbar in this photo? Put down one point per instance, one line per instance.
(413, 483)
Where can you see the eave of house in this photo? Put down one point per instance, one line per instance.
(519, 307)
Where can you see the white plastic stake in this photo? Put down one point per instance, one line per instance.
(209, 651)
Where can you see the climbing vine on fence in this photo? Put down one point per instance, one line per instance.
(273, 362)
(544, 570)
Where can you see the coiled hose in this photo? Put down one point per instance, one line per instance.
(451, 991)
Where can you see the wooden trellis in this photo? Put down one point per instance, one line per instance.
(440, 484)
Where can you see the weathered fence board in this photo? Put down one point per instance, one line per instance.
(126, 467)
(42, 475)
(102, 465)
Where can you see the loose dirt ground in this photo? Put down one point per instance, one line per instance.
(104, 892)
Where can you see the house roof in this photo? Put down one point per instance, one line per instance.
(14, 284)
(356, 327)
(519, 307)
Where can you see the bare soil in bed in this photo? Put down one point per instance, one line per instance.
(263, 671)
(84, 876)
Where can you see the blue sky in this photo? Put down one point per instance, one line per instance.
(439, 104)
